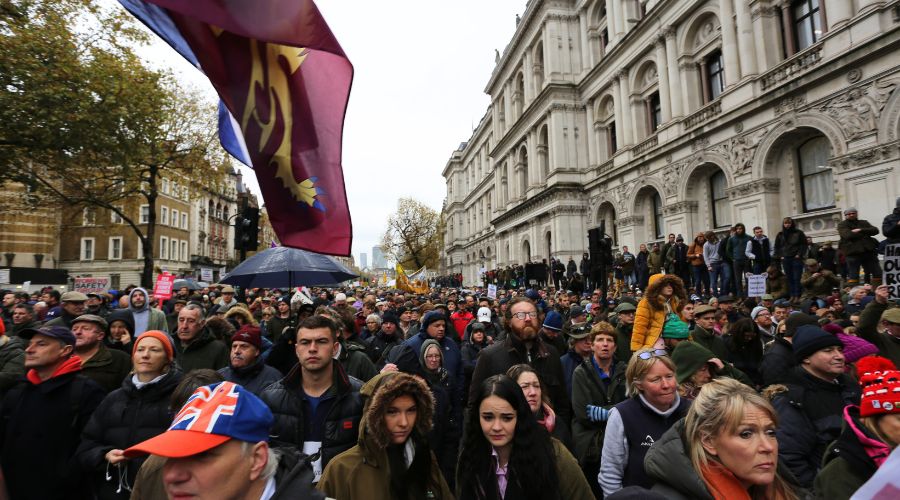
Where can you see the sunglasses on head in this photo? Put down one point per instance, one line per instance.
(656, 352)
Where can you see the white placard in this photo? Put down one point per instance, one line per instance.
(492, 291)
(756, 285)
(206, 274)
(4, 275)
(892, 269)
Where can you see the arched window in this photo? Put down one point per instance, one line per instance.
(538, 68)
(815, 177)
(658, 224)
(519, 96)
(719, 199)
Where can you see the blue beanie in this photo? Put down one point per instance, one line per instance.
(553, 321)
(430, 317)
(810, 339)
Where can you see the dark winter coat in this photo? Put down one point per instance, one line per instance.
(710, 341)
(498, 358)
(40, 428)
(12, 363)
(356, 362)
(790, 243)
(820, 286)
(452, 361)
(294, 477)
(204, 352)
(285, 399)
(889, 227)
(254, 378)
(810, 418)
(379, 344)
(109, 367)
(125, 417)
(623, 343)
(275, 327)
(777, 286)
(588, 389)
(777, 362)
(470, 352)
(847, 465)
(860, 243)
(888, 345)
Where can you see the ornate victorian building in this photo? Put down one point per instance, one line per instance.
(677, 116)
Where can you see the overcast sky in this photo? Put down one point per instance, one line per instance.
(420, 73)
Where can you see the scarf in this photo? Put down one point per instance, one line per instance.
(722, 484)
(73, 364)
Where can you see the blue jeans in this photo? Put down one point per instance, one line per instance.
(701, 280)
(793, 269)
(720, 278)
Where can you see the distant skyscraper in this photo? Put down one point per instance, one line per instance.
(363, 261)
(378, 261)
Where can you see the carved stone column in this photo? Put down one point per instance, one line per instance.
(662, 72)
(729, 43)
(677, 92)
(746, 42)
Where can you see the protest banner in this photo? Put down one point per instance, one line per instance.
(891, 267)
(756, 285)
(164, 285)
(91, 285)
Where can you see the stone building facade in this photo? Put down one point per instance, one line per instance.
(96, 243)
(677, 116)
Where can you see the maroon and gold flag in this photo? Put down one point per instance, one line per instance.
(284, 82)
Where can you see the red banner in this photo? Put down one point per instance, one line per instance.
(164, 284)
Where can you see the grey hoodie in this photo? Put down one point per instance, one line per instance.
(142, 315)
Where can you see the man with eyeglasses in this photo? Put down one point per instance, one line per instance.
(523, 345)
(762, 318)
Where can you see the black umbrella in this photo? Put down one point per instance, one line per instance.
(185, 282)
(283, 267)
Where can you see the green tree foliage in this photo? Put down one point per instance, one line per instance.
(85, 121)
(414, 235)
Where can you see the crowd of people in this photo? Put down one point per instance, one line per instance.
(673, 391)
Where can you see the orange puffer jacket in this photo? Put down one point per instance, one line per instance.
(650, 318)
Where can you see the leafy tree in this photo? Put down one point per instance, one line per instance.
(414, 235)
(85, 122)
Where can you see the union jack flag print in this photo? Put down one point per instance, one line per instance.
(204, 408)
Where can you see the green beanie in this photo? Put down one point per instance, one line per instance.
(688, 358)
(675, 328)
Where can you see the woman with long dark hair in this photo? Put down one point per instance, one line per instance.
(745, 349)
(507, 455)
(527, 378)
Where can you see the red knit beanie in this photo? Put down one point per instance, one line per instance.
(882, 395)
(870, 366)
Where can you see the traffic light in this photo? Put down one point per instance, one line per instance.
(239, 231)
(249, 231)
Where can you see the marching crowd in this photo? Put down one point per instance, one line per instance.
(681, 388)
